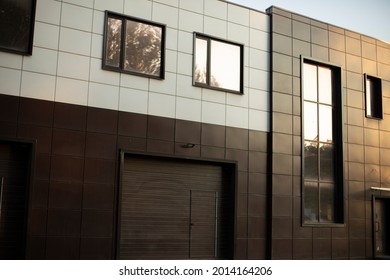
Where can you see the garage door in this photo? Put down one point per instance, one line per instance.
(175, 209)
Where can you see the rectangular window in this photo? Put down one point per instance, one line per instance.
(134, 46)
(218, 64)
(17, 26)
(373, 97)
(322, 160)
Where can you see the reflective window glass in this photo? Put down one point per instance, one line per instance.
(310, 82)
(325, 123)
(311, 160)
(200, 72)
(327, 202)
(325, 85)
(311, 201)
(113, 42)
(310, 121)
(326, 162)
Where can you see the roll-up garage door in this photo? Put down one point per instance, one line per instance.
(175, 209)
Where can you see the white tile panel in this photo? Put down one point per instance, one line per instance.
(42, 61)
(97, 46)
(111, 5)
(139, 8)
(75, 41)
(98, 22)
(71, 91)
(188, 109)
(103, 96)
(76, 17)
(259, 40)
(239, 15)
(165, 14)
(259, 79)
(171, 39)
(132, 100)
(259, 120)
(98, 75)
(39, 86)
(240, 100)
(73, 66)
(170, 61)
(259, 59)
(135, 82)
(259, 21)
(48, 11)
(238, 33)
(184, 64)
(191, 22)
(186, 89)
(215, 27)
(191, 5)
(84, 3)
(161, 105)
(166, 86)
(259, 99)
(213, 113)
(216, 8)
(186, 42)
(46, 35)
(11, 60)
(10, 81)
(174, 3)
(237, 117)
(214, 96)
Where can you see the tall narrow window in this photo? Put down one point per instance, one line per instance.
(218, 64)
(134, 46)
(322, 144)
(373, 97)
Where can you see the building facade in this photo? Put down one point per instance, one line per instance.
(241, 135)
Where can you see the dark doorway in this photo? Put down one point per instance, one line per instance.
(381, 227)
(175, 209)
(15, 162)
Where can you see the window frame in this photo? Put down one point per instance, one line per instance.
(338, 143)
(207, 85)
(121, 68)
(377, 81)
(29, 46)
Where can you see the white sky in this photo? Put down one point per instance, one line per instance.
(368, 17)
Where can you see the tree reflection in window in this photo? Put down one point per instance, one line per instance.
(134, 46)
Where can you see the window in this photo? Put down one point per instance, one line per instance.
(133, 46)
(218, 64)
(373, 97)
(322, 167)
(17, 26)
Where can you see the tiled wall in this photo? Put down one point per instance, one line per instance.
(366, 146)
(67, 58)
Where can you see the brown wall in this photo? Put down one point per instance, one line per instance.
(72, 206)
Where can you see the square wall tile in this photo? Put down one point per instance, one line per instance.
(259, 40)
(188, 109)
(185, 42)
(38, 86)
(215, 27)
(161, 105)
(171, 60)
(132, 81)
(171, 39)
(213, 113)
(259, 99)
(259, 120)
(184, 65)
(190, 22)
(73, 66)
(76, 17)
(131, 100)
(10, 81)
(71, 91)
(43, 61)
(165, 14)
(98, 22)
(112, 5)
(84, 3)
(259, 59)
(166, 86)
(237, 117)
(191, 5)
(186, 89)
(139, 8)
(103, 96)
(46, 35)
(11, 60)
(259, 79)
(97, 74)
(48, 11)
(238, 15)
(97, 46)
(238, 33)
(216, 9)
(75, 41)
(259, 21)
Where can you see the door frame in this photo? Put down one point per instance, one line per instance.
(118, 191)
(31, 171)
(374, 198)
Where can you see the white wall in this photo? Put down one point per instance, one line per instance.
(66, 61)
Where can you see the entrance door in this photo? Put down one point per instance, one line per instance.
(14, 179)
(175, 209)
(382, 228)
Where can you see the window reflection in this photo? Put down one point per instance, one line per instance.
(326, 162)
(311, 160)
(113, 45)
(325, 85)
(327, 202)
(325, 125)
(201, 61)
(225, 65)
(310, 121)
(311, 201)
(310, 82)
(143, 48)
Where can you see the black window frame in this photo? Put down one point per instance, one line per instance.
(207, 85)
(338, 142)
(27, 48)
(375, 102)
(121, 68)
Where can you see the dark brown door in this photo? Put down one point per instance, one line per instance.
(382, 228)
(14, 179)
(175, 209)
